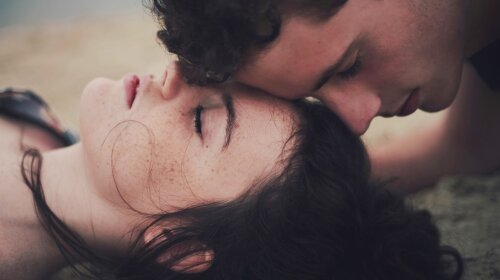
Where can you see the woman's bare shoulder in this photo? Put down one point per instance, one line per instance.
(17, 135)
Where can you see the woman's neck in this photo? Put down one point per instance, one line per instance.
(71, 195)
(68, 193)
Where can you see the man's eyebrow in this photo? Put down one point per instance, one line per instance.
(332, 69)
(231, 118)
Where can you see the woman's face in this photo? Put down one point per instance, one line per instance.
(155, 144)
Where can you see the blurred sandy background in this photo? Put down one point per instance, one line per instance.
(56, 46)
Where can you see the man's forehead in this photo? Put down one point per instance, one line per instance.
(296, 58)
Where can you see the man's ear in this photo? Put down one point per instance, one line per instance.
(196, 262)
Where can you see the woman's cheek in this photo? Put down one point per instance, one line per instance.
(185, 174)
(131, 161)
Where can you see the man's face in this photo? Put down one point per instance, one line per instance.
(372, 58)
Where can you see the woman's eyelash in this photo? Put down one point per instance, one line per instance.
(197, 119)
(352, 71)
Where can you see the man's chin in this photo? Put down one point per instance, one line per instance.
(432, 107)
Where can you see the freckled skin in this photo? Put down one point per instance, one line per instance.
(151, 157)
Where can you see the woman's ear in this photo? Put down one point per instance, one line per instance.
(196, 262)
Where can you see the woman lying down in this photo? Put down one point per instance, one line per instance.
(177, 182)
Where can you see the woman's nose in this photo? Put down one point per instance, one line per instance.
(356, 108)
(172, 82)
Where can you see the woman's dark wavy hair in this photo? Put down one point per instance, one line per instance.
(321, 218)
(213, 38)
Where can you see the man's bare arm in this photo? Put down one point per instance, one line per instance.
(464, 140)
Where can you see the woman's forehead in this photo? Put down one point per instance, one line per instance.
(266, 117)
(256, 97)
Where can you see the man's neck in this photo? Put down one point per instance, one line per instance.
(483, 24)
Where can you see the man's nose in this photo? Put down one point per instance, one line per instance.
(172, 82)
(356, 108)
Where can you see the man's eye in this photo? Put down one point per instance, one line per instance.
(352, 71)
(197, 120)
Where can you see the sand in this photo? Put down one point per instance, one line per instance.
(57, 60)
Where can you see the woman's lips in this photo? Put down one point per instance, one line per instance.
(411, 104)
(130, 83)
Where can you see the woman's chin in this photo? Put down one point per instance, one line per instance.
(101, 104)
(98, 86)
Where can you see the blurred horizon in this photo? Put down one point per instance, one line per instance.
(33, 12)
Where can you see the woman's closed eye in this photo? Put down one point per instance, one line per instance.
(214, 118)
(198, 123)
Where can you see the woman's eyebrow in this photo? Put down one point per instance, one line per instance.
(231, 118)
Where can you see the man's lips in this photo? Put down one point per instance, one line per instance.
(130, 83)
(411, 104)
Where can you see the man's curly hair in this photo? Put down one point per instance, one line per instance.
(213, 38)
